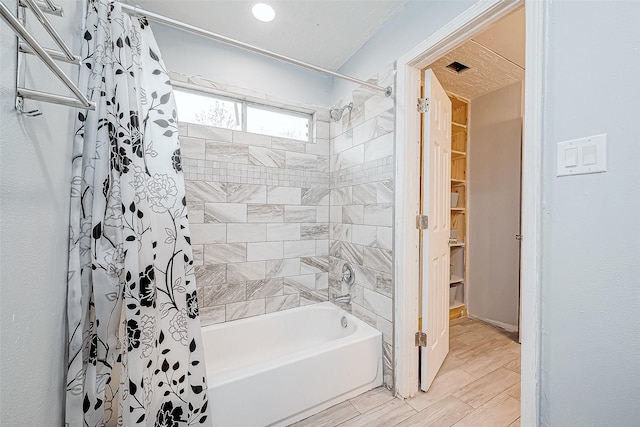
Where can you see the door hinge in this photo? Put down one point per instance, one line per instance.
(421, 339)
(423, 105)
(422, 222)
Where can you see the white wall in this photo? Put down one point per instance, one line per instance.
(193, 55)
(591, 239)
(495, 141)
(402, 32)
(591, 250)
(35, 169)
(591, 234)
(197, 56)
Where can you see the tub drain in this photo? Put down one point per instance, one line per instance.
(344, 322)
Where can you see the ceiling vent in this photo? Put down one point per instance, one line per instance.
(457, 67)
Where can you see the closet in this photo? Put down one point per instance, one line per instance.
(472, 99)
(486, 137)
(483, 79)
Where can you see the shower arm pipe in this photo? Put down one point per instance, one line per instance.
(161, 19)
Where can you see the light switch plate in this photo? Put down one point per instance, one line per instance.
(582, 156)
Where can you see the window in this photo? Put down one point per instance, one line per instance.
(277, 123)
(235, 114)
(208, 110)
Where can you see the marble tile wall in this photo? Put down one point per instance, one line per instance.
(259, 219)
(361, 208)
(273, 220)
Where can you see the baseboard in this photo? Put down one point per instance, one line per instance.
(505, 326)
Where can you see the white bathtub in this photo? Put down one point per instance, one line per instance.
(279, 368)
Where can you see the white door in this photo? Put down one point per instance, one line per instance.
(436, 194)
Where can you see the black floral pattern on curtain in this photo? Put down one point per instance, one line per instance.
(135, 346)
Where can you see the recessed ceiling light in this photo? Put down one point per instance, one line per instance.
(263, 12)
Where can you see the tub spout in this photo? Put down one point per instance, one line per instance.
(342, 299)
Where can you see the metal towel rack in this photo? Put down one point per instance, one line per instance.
(29, 45)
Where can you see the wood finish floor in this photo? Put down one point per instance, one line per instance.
(478, 385)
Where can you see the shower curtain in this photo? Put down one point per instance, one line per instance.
(135, 346)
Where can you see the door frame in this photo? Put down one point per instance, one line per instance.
(406, 265)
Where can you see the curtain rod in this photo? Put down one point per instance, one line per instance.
(218, 37)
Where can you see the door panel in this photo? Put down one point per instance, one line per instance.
(436, 194)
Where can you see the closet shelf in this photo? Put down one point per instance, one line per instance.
(456, 279)
(458, 214)
(458, 154)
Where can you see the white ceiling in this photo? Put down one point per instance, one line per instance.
(321, 32)
(506, 37)
(495, 59)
